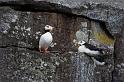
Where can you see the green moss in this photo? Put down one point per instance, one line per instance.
(104, 38)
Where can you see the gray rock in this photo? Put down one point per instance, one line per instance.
(111, 12)
(24, 65)
(22, 30)
(118, 73)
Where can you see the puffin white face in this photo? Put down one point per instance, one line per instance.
(48, 27)
(81, 42)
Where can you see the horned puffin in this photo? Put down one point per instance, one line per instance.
(46, 39)
(92, 51)
(88, 48)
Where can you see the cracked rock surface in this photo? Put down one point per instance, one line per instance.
(20, 32)
(109, 11)
(23, 65)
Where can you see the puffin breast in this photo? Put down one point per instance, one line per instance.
(45, 40)
(48, 37)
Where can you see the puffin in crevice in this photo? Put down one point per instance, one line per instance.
(46, 39)
(92, 51)
(89, 49)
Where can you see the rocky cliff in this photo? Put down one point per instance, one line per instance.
(22, 22)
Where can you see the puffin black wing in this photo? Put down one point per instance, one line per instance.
(91, 47)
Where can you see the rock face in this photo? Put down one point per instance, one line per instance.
(110, 11)
(21, 25)
(19, 38)
(21, 60)
(119, 60)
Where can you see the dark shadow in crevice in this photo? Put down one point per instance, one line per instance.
(104, 27)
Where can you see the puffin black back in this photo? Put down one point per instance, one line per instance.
(91, 47)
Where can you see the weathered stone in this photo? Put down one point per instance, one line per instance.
(83, 68)
(118, 73)
(24, 65)
(110, 11)
(22, 30)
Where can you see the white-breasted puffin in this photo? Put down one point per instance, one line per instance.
(92, 51)
(46, 39)
(89, 49)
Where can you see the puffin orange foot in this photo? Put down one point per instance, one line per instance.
(46, 50)
(40, 49)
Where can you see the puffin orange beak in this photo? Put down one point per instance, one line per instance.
(52, 28)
